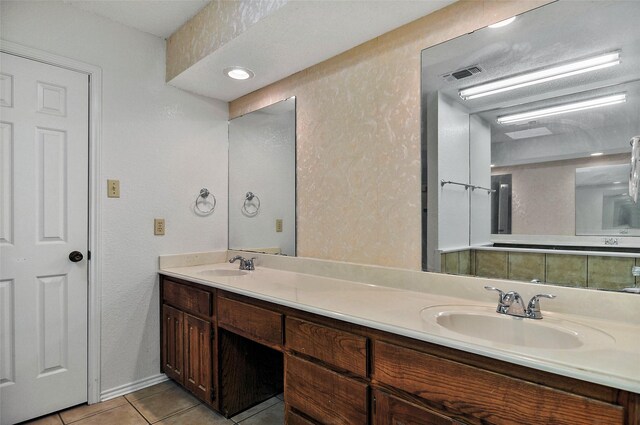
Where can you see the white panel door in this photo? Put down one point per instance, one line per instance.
(43, 218)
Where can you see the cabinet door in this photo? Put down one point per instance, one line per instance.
(388, 409)
(172, 334)
(197, 357)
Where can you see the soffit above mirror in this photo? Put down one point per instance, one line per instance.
(293, 37)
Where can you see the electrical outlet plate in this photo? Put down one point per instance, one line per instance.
(113, 188)
(278, 225)
(158, 226)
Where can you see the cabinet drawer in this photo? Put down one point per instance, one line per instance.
(488, 396)
(324, 395)
(191, 300)
(341, 349)
(258, 324)
(388, 409)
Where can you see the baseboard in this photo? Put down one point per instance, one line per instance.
(132, 386)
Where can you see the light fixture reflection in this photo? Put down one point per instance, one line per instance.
(541, 76)
(563, 109)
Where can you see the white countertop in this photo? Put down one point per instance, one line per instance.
(612, 361)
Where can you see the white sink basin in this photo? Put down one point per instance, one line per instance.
(222, 273)
(483, 323)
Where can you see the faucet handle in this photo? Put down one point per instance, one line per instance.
(533, 309)
(499, 291)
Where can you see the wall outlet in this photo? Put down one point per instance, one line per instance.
(113, 188)
(278, 225)
(158, 226)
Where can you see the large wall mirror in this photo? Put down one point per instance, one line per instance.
(262, 180)
(527, 143)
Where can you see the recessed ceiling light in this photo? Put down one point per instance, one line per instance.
(492, 165)
(503, 23)
(531, 132)
(238, 73)
(597, 154)
(617, 182)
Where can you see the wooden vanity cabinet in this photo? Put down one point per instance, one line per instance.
(334, 372)
(388, 409)
(471, 394)
(188, 337)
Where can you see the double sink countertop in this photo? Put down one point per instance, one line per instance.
(577, 337)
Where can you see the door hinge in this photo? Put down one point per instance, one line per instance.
(88, 255)
(213, 333)
(374, 405)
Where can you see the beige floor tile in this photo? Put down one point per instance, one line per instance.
(76, 413)
(199, 415)
(149, 391)
(47, 420)
(164, 404)
(121, 415)
(273, 415)
(255, 409)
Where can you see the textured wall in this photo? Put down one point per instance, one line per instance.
(215, 25)
(548, 212)
(163, 144)
(358, 135)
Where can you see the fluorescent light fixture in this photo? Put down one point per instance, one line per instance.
(563, 109)
(503, 23)
(541, 76)
(597, 154)
(238, 73)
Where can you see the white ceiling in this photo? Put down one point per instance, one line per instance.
(300, 34)
(157, 17)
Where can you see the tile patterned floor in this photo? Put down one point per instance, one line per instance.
(162, 404)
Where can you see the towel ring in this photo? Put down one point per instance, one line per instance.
(251, 205)
(203, 199)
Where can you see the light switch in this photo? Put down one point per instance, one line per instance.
(158, 226)
(113, 188)
(278, 225)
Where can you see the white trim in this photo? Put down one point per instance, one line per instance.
(95, 194)
(133, 386)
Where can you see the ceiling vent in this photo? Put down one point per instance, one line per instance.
(462, 73)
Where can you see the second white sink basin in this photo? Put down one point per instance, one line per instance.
(222, 272)
(484, 323)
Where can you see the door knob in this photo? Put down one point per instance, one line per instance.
(76, 256)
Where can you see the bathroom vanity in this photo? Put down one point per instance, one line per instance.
(345, 352)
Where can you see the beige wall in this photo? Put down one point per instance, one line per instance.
(550, 211)
(358, 138)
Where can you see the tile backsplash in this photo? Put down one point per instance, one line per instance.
(581, 271)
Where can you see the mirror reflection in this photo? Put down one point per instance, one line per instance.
(526, 142)
(262, 183)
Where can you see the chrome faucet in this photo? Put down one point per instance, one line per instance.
(511, 303)
(245, 264)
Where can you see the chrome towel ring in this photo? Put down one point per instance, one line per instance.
(203, 200)
(251, 205)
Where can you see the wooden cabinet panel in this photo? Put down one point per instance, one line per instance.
(292, 418)
(172, 334)
(252, 322)
(488, 396)
(191, 300)
(324, 395)
(388, 409)
(341, 349)
(197, 357)
(250, 372)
